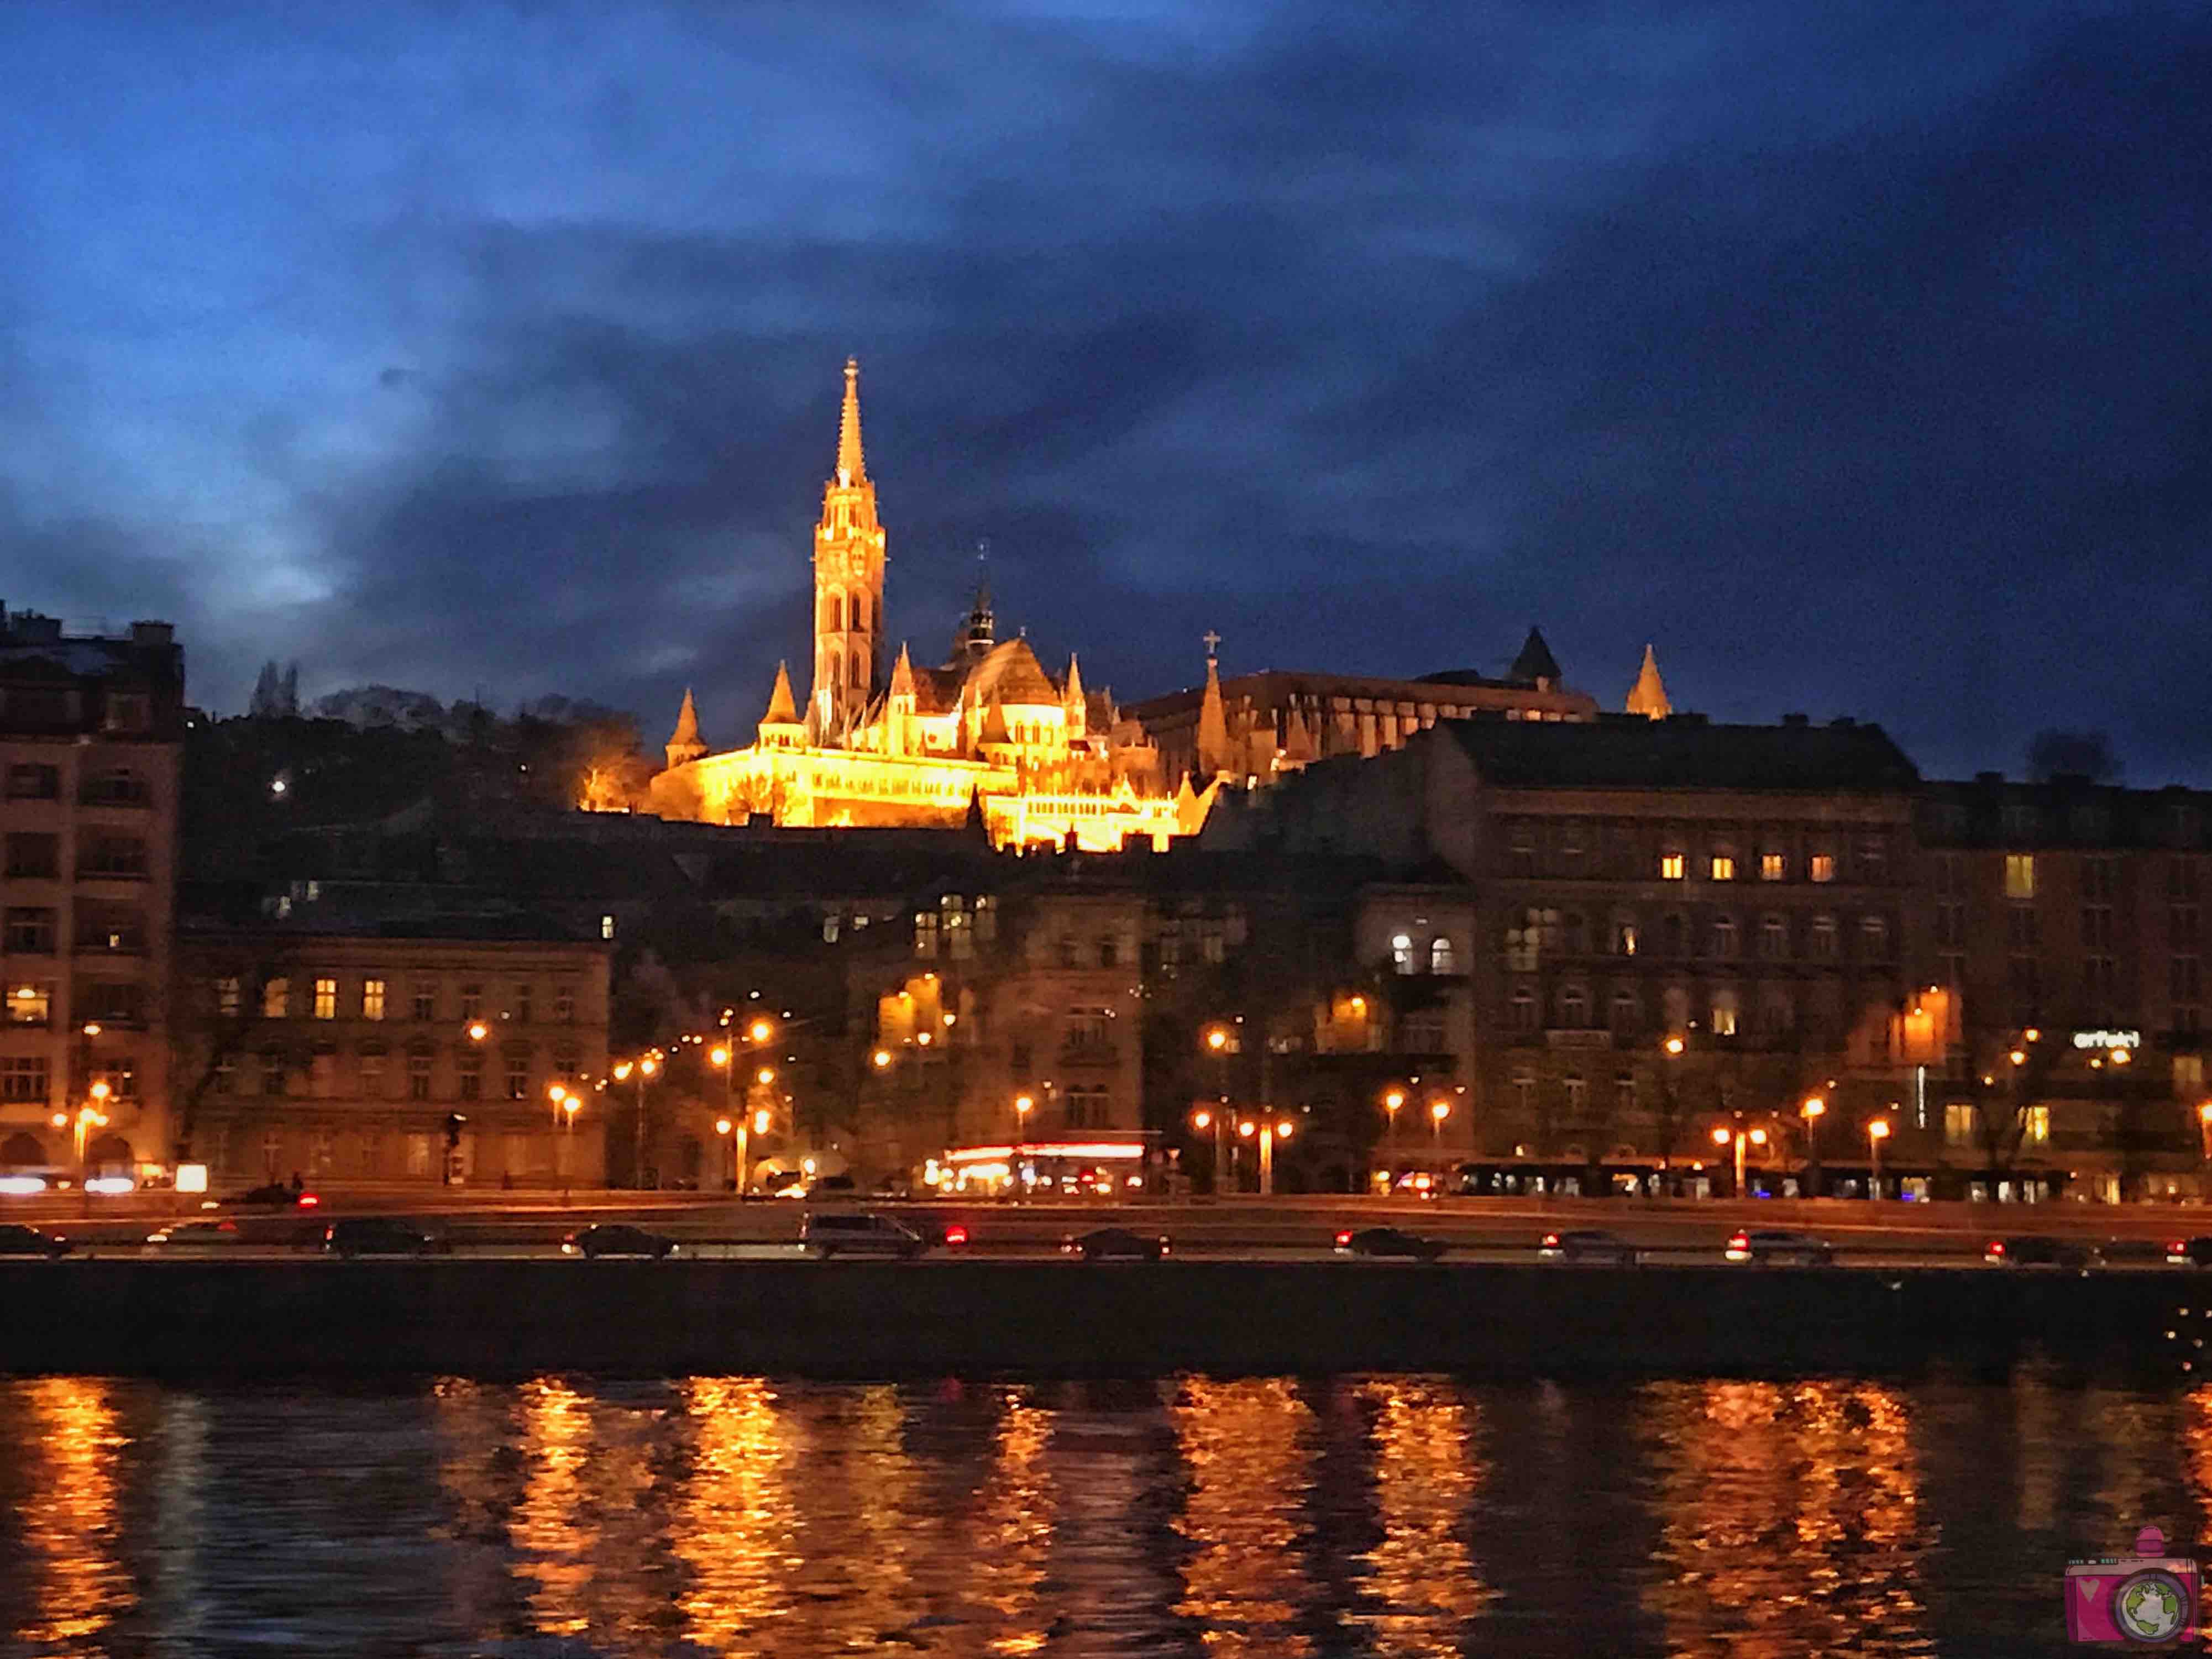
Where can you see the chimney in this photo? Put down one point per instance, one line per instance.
(153, 632)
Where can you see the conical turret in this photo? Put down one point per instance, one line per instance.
(781, 726)
(1073, 704)
(684, 744)
(1213, 754)
(1535, 665)
(1647, 696)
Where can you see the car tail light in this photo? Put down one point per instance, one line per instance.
(956, 1234)
(1739, 1241)
(329, 1233)
(1068, 1246)
(1550, 1240)
(308, 1200)
(2178, 1247)
(1344, 1238)
(1997, 1247)
(1165, 1247)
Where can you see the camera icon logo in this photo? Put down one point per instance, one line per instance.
(2147, 1600)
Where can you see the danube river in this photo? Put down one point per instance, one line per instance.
(1386, 1515)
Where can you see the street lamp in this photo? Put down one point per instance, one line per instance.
(1877, 1132)
(1393, 1101)
(1438, 1111)
(1270, 1132)
(1815, 1108)
(722, 1127)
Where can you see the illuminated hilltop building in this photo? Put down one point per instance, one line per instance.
(1043, 760)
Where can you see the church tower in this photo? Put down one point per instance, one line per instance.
(848, 582)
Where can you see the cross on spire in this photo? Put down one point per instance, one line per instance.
(1212, 643)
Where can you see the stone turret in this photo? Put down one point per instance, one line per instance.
(780, 727)
(684, 744)
(1647, 696)
(1214, 755)
(1074, 705)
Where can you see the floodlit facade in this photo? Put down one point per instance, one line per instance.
(1043, 760)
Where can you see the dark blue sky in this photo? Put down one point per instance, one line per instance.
(1859, 356)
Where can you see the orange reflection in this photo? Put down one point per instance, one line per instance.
(548, 1526)
(1013, 1526)
(1427, 1470)
(71, 1440)
(733, 1528)
(1790, 1520)
(1249, 1448)
(859, 1521)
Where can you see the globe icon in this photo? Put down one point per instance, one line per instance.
(2151, 1606)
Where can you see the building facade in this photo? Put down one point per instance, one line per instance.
(1040, 759)
(90, 733)
(420, 1056)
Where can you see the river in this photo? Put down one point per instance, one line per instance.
(1260, 1517)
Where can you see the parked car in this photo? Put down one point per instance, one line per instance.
(16, 1239)
(1589, 1244)
(618, 1238)
(190, 1237)
(858, 1233)
(1387, 1241)
(378, 1235)
(1117, 1244)
(2190, 1252)
(274, 1196)
(2039, 1250)
(1766, 1247)
(2131, 1252)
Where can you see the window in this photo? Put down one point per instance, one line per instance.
(1578, 1092)
(959, 941)
(1574, 1008)
(2019, 927)
(418, 1078)
(322, 1069)
(1723, 867)
(113, 857)
(1951, 926)
(276, 998)
(230, 996)
(986, 918)
(518, 1077)
(34, 857)
(326, 999)
(2036, 1130)
(1824, 938)
(1671, 931)
(1109, 951)
(1724, 1012)
(128, 711)
(1776, 1014)
(524, 1009)
(1574, 933)
(1401, 952)
(1063, 950)
(1774, 936)
(1823, 867)
(2026, 990)
(471, 1068)
(426, 1000)
(1523, 945)
(372, 998)
(1874, 938)
(1623, 1092)
(1623, 935)
(2100, 978)
(924, 933)
(1874, 859)
(1773, 866)
(2184, 977)
(1090, 1029)
(2099, 879)
(1524, 1093)
(116, 928)
(2181, 927)
(1627, 1011)
(1959, 1123)
(2096, 928)
(2181, 878)
(471, 1001)
(30, 1003)
(224, 1080)
(1440, 956)
(418, 1149)
(272, 1072)
(372, 1073)
(1724, 936)
(34, 783)
(564, 1003)
(2020, 875)
(118, 785)
(1086, 1106)
(23, 1077)
(1523, 1008)
(1670, 866)
(30, 932)
(606, 926)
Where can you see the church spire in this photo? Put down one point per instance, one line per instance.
(684, 744)
(852, 469)
(1647, 696)
(1213, 755)
(782, 706)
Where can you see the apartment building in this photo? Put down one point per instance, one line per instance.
(91, 725)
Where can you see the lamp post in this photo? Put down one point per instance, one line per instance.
(1270, 1130)
(1739, 1138)
(1877, 1132)
(722, 1127)
(1438, 1111)
(569, 1107)
(723, 1059)
(1812, 1111)
(1393, 1101)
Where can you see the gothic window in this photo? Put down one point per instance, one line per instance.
(833, 614)
(859, 613)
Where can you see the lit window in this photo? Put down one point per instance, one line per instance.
(2038, 1127)
(276, 999)
(1824, 866)
(1723, 867)
(229, 997)
(372, 998)
(1959, 1123)
(2020, 875)
(326, 999)
(606, 926)
(1671, 867)
(1773, 866)
(1724, 1014)
(1402, 953)
(1440, 956)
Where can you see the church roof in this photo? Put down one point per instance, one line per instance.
(1647, 696)
(1536, 661)
(782, 708)
(937, 690)
(1011, 673)
(1623, 752)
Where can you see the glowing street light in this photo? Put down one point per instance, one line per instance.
(1674, 1046)
(1877, 1132)
(1024, 1105)
(1438, 1111)
(881, 1058)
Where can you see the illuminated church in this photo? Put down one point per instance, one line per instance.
(1044, 761)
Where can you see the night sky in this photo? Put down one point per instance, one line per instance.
(1859, 356)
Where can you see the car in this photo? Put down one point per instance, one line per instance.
(1117, 1244)
(2038, 1250)
(858, 1233)
(2190, 1252)
(16, 1239)
(618, 1238)
(1387, 1241)
(1764, 1247)
(2131, 1253)
(184, 1237)
(1588, 1244)
(274, 1196)
(378, 1235)
(782, 1183)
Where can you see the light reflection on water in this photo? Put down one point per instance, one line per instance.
(1255, 1517)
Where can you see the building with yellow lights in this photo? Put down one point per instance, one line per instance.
(1040, 759)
